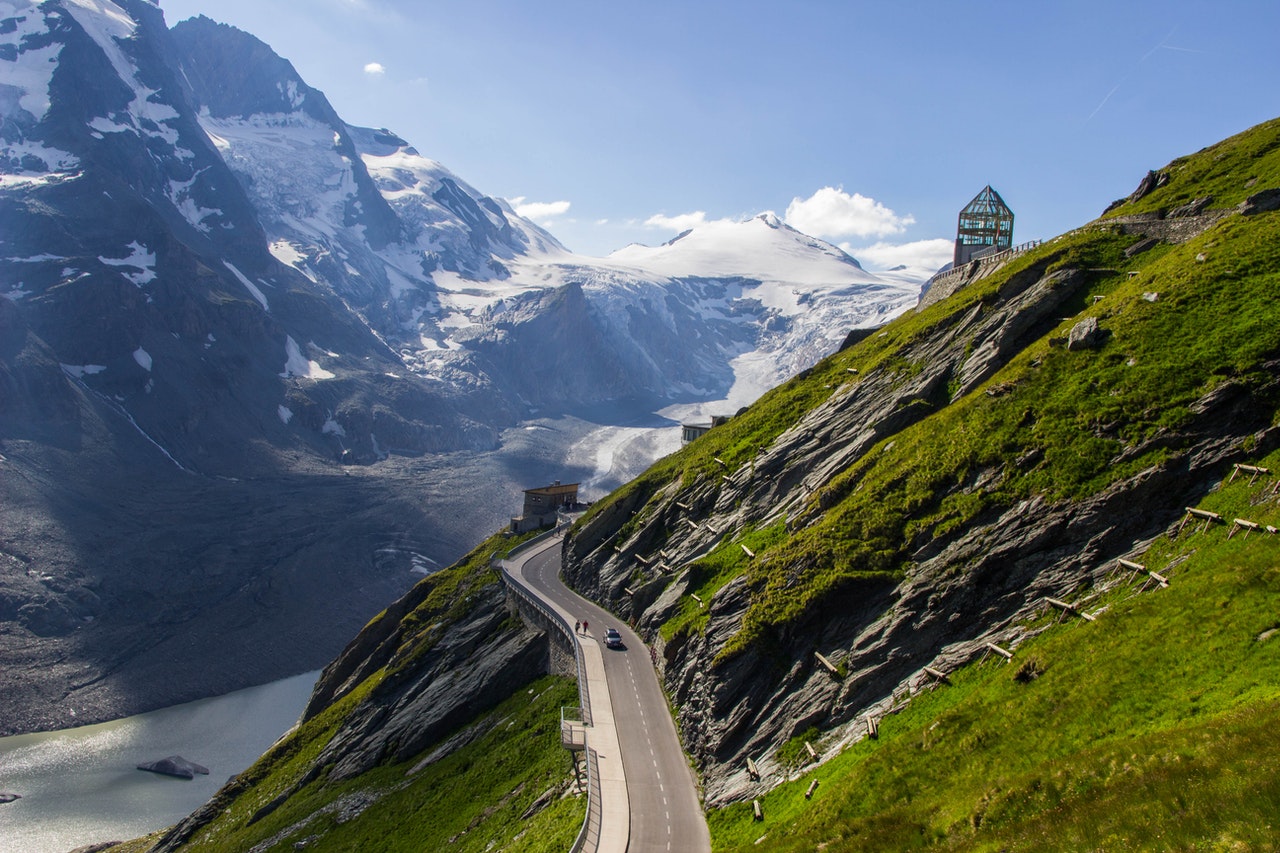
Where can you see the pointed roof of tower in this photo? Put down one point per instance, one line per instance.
(987, 202)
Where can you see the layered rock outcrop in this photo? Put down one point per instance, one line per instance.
(962, 588)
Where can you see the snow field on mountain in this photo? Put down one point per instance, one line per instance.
(297, 365)
(31, 70)
(140, 258)
(295, 173)
(110, 26)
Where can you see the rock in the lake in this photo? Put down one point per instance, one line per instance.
(175, 765)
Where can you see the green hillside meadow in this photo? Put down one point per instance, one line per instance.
(484, 796)
(1151, 728)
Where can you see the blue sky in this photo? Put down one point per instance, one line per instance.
(866, 124)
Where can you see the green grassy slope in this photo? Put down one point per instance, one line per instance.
(1181, 320)
(472, 800)
(506, 789)
(1149, 729)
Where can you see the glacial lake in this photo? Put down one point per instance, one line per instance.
(81, 786)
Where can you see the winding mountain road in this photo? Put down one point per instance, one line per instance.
(660, 788)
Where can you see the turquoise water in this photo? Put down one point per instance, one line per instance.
(80, 786)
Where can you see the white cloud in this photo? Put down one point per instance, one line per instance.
(375, 69)
(680, 222)
(539, 210)
(833, 213)
(924, 255)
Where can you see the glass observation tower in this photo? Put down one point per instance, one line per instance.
(985, 227)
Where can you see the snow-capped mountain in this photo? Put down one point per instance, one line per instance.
(763, 248)
(470, 294)
(215, 291)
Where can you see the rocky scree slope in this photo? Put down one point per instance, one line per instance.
(921, 492)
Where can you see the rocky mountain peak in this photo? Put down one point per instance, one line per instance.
(235, 74)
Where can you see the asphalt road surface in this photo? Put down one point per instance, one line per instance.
(666, 814)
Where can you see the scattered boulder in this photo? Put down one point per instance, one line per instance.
(9, 798)
(1153, 181)
(1261, 202)
(1191, 208)
(1141, 246)
(175, 765)
(1086, 334)
(544, 799)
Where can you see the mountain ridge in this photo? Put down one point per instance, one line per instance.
(221, 301)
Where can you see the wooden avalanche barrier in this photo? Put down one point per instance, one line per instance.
(1004, 653)
(1069, 608)
(827, 665)
(1252, 470)
(1200, 514)
(936, 674)
(1242, 524)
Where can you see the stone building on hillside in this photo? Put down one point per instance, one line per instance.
(542, 504)
(985, 227)
(691, 431)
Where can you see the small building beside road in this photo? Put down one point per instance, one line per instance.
(542, 504)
